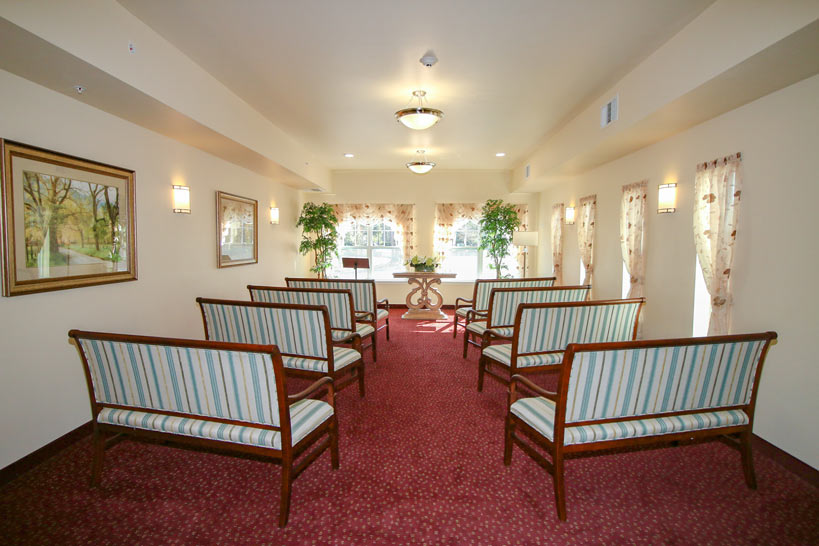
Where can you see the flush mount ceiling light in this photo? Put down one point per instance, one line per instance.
(420, 117)
(421, 167)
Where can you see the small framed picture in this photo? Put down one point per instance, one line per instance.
(237, 235)
(67, 222)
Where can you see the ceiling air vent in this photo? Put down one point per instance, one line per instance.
(610, 112)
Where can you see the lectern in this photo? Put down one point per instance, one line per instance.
(355, 263)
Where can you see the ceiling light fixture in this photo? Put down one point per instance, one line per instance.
(421, 167)
(420, 117)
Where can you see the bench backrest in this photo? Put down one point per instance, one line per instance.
(339, 303)
(484, 287)
(298, 330)
(552, 326)
(635, 378)
(219, 380)
(363, 290)
(504, 302)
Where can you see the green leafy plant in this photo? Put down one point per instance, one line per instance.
(319, 235)
(423, 263)
(497, 223)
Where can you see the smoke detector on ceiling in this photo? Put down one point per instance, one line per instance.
(428, 59)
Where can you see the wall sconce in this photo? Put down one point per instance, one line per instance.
(182, 199)
(274, 215)
(667, 198)
(569, 215)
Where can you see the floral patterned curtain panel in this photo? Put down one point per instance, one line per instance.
(585, 234)
(446, 214)
(514, 250)
(402, 215)
(717, 190)
(558, 214)
(632, 224)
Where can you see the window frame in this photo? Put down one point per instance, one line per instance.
(370, 273)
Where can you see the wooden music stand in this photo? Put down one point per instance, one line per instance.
(355, 263)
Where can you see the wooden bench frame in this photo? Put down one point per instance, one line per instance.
(348, 339)
(487, 365)
(105, 434)
(354, 369)
(477, 314)
(737, 436)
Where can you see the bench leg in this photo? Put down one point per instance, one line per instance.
(287, 477)
(466, 341)
(98, 457)
(388, 328)
(560, 489)
(507, 440)
(481, 371)
(375, 335)
(334, 442)
(747, 459)
(455, 325)
(361, 379)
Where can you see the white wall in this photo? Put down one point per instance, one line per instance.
(42, 387)
(437, 186)
(775, 257)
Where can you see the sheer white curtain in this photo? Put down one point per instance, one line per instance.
(717, 190)
(558, 212)
(585, 234)
(402, 215)
(632, 224)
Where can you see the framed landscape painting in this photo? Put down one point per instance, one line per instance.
(67, 222)
(237, 230)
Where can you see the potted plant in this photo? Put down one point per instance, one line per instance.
(423, 263)
(319, 235)
(497, 223)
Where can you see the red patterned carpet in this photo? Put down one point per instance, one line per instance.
(421, 462)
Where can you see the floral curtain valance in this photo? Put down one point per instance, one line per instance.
(402, 215)
(558, 214)
(717, 191)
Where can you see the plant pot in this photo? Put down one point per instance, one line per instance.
(424, 268)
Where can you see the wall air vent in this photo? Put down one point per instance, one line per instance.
(610, 112)
(527, 170)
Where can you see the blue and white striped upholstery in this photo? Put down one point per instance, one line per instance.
(539, 413)
(553, 328)
(298, 332)
(613, 383)
(210, 383)
(342, 356)
(504, 304)
(503, 353)
(339, 304)
(483, 288)
(363, 329)
(479, 327)
(381, 314)
(462, 311)
(305, 416)
(363, 291)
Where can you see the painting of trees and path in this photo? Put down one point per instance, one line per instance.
(67, 221)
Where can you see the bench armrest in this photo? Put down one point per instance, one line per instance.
(492, 335)
(346, 339)
(385, 302)
(471, 316)
(325, 383)
(370, 316)
(467, 302)
(529, 385)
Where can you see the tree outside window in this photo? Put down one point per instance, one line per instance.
(376, 241)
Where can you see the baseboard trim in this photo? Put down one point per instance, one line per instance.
(786, 460)
(21, 466)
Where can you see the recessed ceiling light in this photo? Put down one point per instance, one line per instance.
(500, 154)
(79, 89)
(348, 156)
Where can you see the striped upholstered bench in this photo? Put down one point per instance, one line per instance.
(477, 307)
(504, 302)
(542, 331)
(339, 304)
(302, 333)
(223, 395)
(613, 395)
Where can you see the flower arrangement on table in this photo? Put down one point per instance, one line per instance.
(423, 263)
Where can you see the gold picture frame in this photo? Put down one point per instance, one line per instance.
(67, 222)
(237, 230)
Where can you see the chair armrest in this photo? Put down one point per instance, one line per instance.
(385, 302)
(470, 316)
(368, 313)
(467, 302)
(526, 383)
(492, 335)
(321, 384)
(346, 339)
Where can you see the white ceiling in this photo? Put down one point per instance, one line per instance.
(332, 73)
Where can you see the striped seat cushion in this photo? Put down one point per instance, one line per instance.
(480, 327)
(539, 413)
(305, 416)
(342, 356)
(362, 328)
(462, 311)
(503, 353)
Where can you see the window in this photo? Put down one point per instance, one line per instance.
(467, 260)
(702, 303)
(376, 241)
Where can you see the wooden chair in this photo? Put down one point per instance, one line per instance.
(219, 395)
(542, 331)
(302, 333)
(636, 393)
(339, 304)
(477, 307)
(503, 303)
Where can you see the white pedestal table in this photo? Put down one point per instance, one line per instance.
(424, 308)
